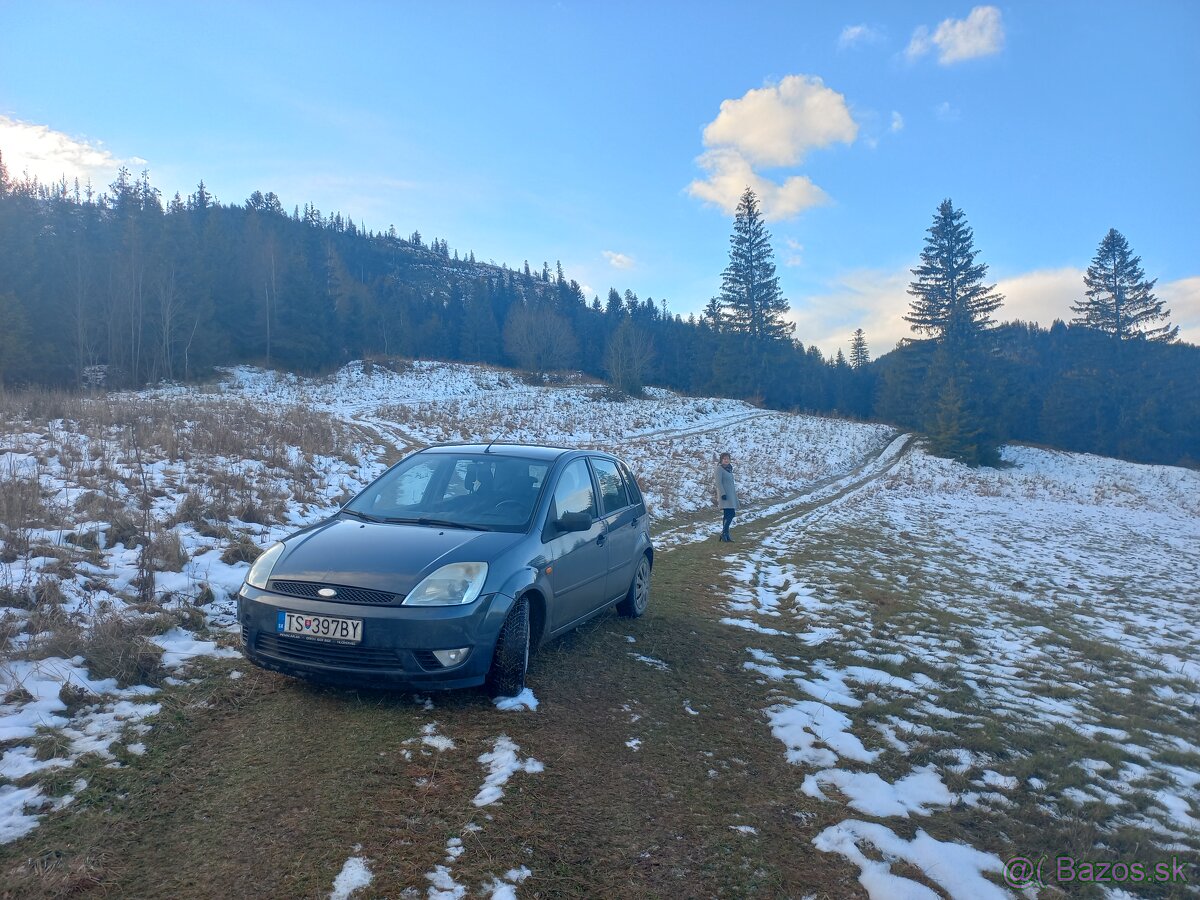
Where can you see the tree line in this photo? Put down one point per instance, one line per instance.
(121, 288)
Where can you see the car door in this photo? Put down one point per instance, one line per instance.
(577, 560)
(621, 519)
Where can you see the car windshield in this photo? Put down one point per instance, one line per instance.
(483, 491)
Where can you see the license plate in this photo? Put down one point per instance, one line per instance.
(330, 628)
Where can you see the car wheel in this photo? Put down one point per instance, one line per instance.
(638, 597)
(510, 661)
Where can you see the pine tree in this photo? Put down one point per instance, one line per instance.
(1118, 300)
(951, 300)
(859, 357)
(751, 299)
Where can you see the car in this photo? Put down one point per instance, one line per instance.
(447, 569)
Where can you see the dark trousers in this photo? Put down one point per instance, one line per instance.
(729, 513)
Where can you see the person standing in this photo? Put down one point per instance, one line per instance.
(726, 494)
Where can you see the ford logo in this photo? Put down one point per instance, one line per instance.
(327, 592)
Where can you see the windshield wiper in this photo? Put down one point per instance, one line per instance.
(436, 523)
(361, 515)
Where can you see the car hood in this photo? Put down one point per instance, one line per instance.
(383, 557)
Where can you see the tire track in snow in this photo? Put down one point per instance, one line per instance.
(797, 507)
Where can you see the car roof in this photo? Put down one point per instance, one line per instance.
(497, 448)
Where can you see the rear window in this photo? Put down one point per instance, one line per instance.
(635, 493)
(613, 494)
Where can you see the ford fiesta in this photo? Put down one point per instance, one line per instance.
(447, 568)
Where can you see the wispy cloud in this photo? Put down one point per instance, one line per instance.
(619, 260)
(48, 155)
(876, 301)
(981, 33)
(856, 35)
(1182, 297)
(772, 126)
(795, 253)
(897, 122)
(946, 112)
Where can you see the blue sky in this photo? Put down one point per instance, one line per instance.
(616, 136)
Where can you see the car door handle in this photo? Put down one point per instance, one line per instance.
(600, 540)
(635, 520)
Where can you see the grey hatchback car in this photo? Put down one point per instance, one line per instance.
(444, 571)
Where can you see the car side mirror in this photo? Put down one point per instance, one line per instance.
(573, 521)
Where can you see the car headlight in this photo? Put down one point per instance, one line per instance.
(261, 570)
(449, 586)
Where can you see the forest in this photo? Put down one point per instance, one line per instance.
(120, 289)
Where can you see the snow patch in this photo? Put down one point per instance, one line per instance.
(502, 763)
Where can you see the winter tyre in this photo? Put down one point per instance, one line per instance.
(638, 597)
(510, 661)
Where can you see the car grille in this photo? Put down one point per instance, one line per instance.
(308, 589)
(306, 651)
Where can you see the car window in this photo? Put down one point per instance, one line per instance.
(463, 479)
(573, 493)
(613, 495)
(491, 492)
(409, 489)
(635, 492)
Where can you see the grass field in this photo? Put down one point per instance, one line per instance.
(903, 673)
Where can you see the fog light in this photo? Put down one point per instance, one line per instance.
(451, 657)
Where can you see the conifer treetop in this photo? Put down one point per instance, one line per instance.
(950, 298)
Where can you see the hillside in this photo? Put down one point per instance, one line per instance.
(901, 662)
(120, 291)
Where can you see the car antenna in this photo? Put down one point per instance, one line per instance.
(488, 448)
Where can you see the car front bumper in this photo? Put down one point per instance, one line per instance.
(396, 647)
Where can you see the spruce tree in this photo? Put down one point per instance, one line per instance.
(951, 300)
(751, 299)
(1119, 301)
(859, 357)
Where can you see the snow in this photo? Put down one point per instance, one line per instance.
(431, 738)
(1006, 585)
(14, 821)
(355, 876)
(523, 700)
(502, 763)
(870, 794)
(957, 868)
(651, 662)
(181, 647)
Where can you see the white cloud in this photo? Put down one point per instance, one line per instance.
(876, 301)
(981, 33)
(897, 122)
(1047, 294)
(1040, 296)
(619, 260)
(853, 35)
(871, 299)
(1182, 297)
(48, 155)
(729, 174)
(795, 253)
(777, 124)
